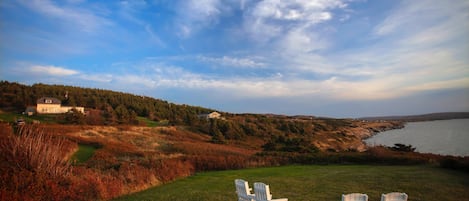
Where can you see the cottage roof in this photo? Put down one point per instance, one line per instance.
(48, 100)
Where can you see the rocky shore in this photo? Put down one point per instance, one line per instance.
(352, 138)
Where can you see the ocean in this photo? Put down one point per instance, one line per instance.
(444, 137)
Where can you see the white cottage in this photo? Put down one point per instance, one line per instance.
(47, 105)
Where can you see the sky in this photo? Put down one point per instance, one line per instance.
(335, 58)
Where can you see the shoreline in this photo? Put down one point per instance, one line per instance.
(440, 137)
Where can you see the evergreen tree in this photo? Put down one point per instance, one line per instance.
(217, 136)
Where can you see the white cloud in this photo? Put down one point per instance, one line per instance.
(272, 18)
(423, 44)
(197, 14)
(412, 60)
(232, 61)
(291, 32)
(301, 10)
(301, 40)
(52, 70)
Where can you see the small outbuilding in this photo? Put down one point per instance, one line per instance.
(212, 115)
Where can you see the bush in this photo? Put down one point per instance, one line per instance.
(403, 148)
(33, 166)
(35, 151)
(455, 163)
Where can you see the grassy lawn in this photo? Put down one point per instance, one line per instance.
(321, 183)
(83, 154)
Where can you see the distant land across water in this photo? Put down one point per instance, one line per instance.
(422, 117)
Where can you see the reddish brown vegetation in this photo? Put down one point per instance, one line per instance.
(33, 164)
(130, 159)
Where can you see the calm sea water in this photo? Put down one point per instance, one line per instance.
(445, 137)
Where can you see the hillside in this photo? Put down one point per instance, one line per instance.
(277, 132)
(111, 107)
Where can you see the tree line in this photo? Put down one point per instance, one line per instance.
(113, 107)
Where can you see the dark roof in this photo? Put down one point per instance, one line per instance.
(48, 100)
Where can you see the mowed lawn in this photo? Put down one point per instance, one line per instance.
(321, 183)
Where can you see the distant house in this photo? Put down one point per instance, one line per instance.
(212, 115)
(47, 105)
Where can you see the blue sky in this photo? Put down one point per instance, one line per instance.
(337, 58)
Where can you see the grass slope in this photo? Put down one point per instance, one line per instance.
(83, 154)
(321, 183)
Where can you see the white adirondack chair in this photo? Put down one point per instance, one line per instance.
(355, 197)
(262, 193)
(243, 191)
(394, 196)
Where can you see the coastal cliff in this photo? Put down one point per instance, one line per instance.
(351, 138)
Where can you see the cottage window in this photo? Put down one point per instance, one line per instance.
(48, 101)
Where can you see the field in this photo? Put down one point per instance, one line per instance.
(301, 183)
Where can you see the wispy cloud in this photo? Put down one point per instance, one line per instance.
(52, 70)
(429, 13)
(100, 78)
(132, 11)
(86, 20)
(197, 14)
(233, 61)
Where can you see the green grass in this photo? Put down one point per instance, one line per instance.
(319, 183)
(151, 123)
(10, 117)
(43, 118)
(83, 154)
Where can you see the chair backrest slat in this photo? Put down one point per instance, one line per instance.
(243, 191)
(394, 196)
(354, 197)
(262, 192)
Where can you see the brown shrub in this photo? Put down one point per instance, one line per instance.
(172, 168)
(34, 166)
(35, 151)
(5, 130)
